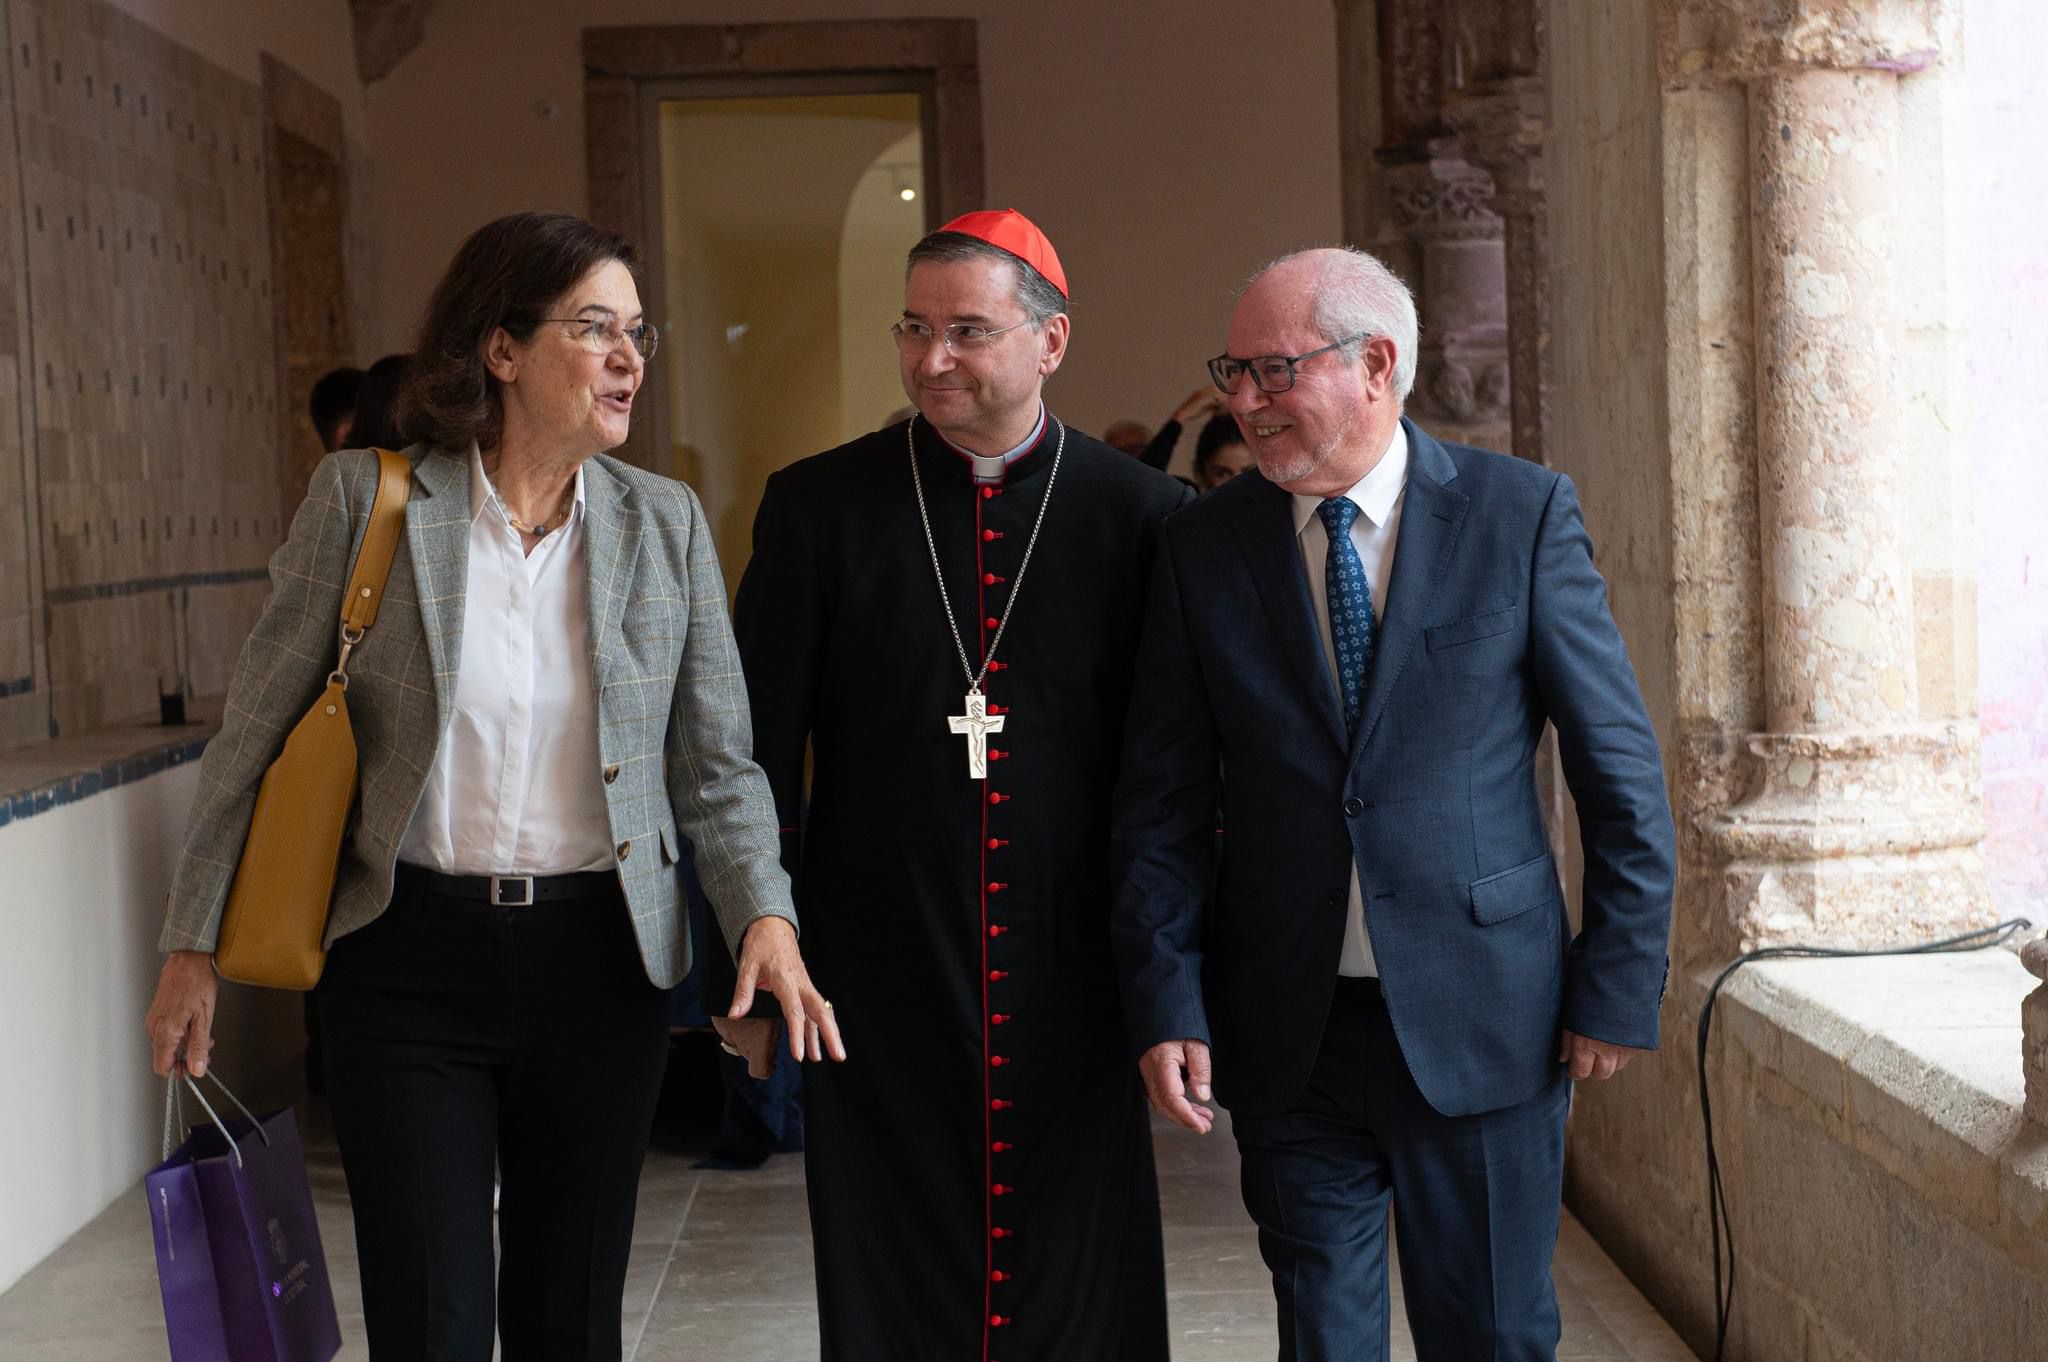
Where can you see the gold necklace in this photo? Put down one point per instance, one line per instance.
(545, 527)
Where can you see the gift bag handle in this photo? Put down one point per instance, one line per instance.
(174, 1112)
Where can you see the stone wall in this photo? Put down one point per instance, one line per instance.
(1804, 570)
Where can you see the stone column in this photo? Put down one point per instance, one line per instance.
(1414, 198)
(1502, 122)
(1864, 822)
(1443, 204)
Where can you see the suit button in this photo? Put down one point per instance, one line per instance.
(1353, 807)
(625, 850)
(611, 773)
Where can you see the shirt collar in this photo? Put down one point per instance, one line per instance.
(482, 492)
(1375, 493)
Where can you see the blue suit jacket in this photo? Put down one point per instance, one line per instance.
(1496, 620)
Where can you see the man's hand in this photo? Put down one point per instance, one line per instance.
(1162, 1067)
(752, 1038)
(769, 960)
(1589, 1058)
(180, 1017)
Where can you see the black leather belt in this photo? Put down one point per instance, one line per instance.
(510, 891)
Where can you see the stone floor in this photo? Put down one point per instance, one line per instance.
(722, 1270)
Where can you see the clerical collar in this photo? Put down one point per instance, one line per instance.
(989, 468)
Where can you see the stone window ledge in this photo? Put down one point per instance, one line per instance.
(1913, 1061)
(47, 775)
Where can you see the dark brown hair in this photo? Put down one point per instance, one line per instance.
(506, 274)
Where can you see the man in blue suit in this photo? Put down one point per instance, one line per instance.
(1354, 651)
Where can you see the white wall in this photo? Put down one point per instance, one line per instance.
(84, 892)
(1167, 147)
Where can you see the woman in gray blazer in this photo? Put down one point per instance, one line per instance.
(549, 702)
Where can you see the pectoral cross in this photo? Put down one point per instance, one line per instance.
(975, 725)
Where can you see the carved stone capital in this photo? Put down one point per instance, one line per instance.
(1741, 40)
(1502, 123)
(1441, 198)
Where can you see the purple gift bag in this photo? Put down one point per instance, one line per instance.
(237, 1247)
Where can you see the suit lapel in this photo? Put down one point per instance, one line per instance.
(1432, 516)
(611, 544)
(437, 533)
(1266, 536)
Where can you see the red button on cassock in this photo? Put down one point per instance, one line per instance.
(999, 1276)
(997, 931)
(990, 579)
(991, 622)
(997, 1061)
(997, 797)
(1001, 1104)
(997, 753)
(999, 1320)
(997, 886)
(999, 1233)
(998, 974)
(993, 709)
(990, 536)
(999, 666)
(999, 1018)
(998, 843)
(1002, 1146)
(987, 492)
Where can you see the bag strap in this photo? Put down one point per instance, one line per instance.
(174, 1111)
(380, 543)
(373, 564)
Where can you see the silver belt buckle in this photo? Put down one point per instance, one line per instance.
(521, 885)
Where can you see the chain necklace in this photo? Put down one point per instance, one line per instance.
(545, 527)
(976, 724)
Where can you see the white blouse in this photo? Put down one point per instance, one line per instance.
(515, 788)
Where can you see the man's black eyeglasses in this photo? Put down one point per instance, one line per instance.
(1272, 373)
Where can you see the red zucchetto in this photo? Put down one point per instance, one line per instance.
(1017, 234)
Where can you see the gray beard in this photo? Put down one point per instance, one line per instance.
(1297, 469)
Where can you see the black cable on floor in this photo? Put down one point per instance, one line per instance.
(1717, 1198)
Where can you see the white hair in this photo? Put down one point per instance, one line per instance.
(1357, 295)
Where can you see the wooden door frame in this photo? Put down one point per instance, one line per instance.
(626, 68)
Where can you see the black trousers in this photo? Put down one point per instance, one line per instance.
(464, 1039)
(1477, 1199)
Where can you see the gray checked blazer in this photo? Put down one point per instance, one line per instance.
(674, 735)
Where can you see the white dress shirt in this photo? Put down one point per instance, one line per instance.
(1378, 495)
(515, 788)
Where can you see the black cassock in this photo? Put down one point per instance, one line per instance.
(980, 1169)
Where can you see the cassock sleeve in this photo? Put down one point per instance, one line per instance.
(1609, 753)
(1163, 825)
(778, 621)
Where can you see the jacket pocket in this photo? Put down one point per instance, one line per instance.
(1469, 630)
(1515, 891)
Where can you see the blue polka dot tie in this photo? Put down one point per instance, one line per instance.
(1350, 602)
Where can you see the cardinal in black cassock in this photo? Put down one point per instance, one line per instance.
(980, 1168)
